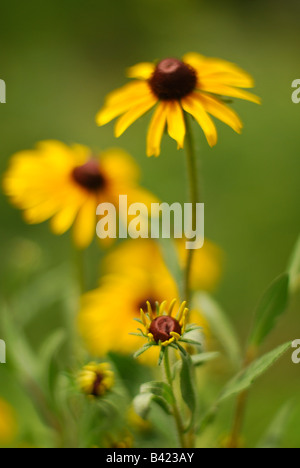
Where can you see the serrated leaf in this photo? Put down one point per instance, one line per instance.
(275, 433)
(245, 379)
(272, 305)
(294, 268)
(220, 326)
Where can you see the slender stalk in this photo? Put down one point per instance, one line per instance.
(194, 199)
(176, 413)
(241, 405)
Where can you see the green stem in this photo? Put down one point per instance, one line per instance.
(194, 199)
(176, 413)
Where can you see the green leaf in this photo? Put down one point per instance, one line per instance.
(187, 385)
(220, 326)
(245, 379)
(160, 389)
(47, 353)
(272, 305)
(294, 268)
(199, 359)
(274, 435)
(142, 404)
(142, 350)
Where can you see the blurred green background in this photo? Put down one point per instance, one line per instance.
(60, 58)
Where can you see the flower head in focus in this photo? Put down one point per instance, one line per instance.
(96, 380)
(162, 329)
(67, 183)
(196, 85)
(105, 318)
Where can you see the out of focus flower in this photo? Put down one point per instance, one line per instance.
(67, 183)
(124, 441)
(136, 422)
(146, 254)
(8, 423)
(206, 265)
(195, 84)
(96, 380)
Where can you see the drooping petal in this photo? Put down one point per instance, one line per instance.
(228, 91)
(193, 106)
(156, 130)
(142, 70)
(122, 100)
(134, 114)
(63, 220)
(85, 224)
(222, 112)
(221, 71)
(176, 124)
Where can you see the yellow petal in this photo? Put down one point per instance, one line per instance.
(120, 101)
(193, 106)
(228, 91)
(85, 224)
(141, 70)
(137, 88)
(134, 114)
(176, 125)
(119, 167)
(156, 130)
(64, 219)
(193, 59)
(222, 112)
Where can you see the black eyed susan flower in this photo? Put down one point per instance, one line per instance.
(67, 184)
(162, 329)
(95, 380)
(195, 84)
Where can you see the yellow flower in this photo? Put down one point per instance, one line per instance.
(106, 315)
(195, 84)
(67, 183)
(8, 423)
(96, 380)
(160, 326)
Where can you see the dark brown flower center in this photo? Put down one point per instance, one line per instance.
(173, 79)
(97, 384)
(161, 327)
(89, 176)
(143, 304)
